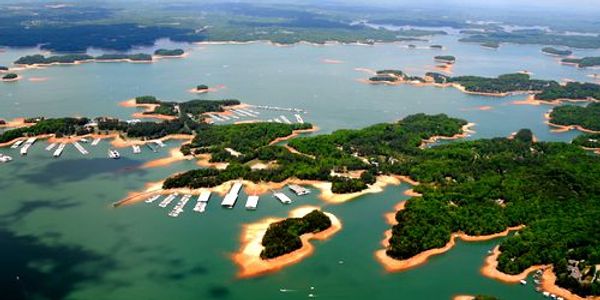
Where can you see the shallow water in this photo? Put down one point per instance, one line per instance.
(63, 239)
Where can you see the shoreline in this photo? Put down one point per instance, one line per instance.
(154, 59)
(466, 132)
(489, 269)
(19, 77)
(16, 123)
(294, 134)
(565, 128)
(248, 260)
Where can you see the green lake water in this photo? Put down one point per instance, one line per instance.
(61, 237)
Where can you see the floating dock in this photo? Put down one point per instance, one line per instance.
(277, 120)
(285, 120)
(5, 158)
(152, 198)
(159, 143)
(268, 107)
(231, 197)
(17, 144)
(27, 145)
(151, 147)
(136, 149)
(179, 206)
(200, 206)
(215, 118)
(51, 146)
(298, 190)
(204, 196)
(168, 200)
(252, 202)
(59, 150)
(299, 118)
(96, 141)
(80, 148)
(283, 198)
(226, 118)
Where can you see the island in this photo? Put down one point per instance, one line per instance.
(590, 61)
(3, 69)
(447, 59)
(556, 52)
(492, 45)
(10, 77)
(590, 141)
(272, 244)
(503, 85)
(577, 117)
(70, 59)
(202, 88)
(436, 46)
(169, 52)
(170, 110)
(139, 57)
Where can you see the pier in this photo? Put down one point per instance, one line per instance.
(231, 197)
(159, 143)
(136, 149)
(168, 200)
(80, 148)
(4, 158)
(285, 120)
(299, 118)
(151, 147)
(252, 202)
(268, 107)
(95, 141)
(298, 190)
(17, 144)
(27, 145)
(204, 196)
(283, 198)
(152, 198)
(179, 206)
(51, 146)
(60, 149)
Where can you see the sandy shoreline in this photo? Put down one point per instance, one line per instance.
(154, 59)
(463, 297)
(16, 123)
(19, 77)
(294, 134)
(466, 132)
(490, 270)
(564, 128)
(248, 256)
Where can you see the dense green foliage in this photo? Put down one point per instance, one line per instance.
(146, 100)
(482, 187)
(201, 87)
(590, 61)
(169, 52)
(147, 130)
(572, 90)
(587, 140)
(534, 37)
(484, 297)
(133, 57)
(10, 76)
(587, 117)
(60, 126)
(63, 59)
(284, 236)
(554, 51)
(493, 45)
(341, 151)
(3, 68)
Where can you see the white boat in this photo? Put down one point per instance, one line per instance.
(17, 144)
(168, 200)
(283, 198)
(84, 140)
(299, 118)
(159, 143)
(523, 282)
(200, 206)
(5, 158)
(114, 154)
(152, 199)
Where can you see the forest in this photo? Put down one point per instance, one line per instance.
(73, 58)
(284, 236)
(169, 52)
(555, 51)
(587, 117)
(588, 140)
(445, 58)
(9, 76)
(59, 126)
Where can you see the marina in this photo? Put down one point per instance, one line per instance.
(27, 145)
(96, 141)
(59, 150)
(5, 158)
(298, 189)
(299, 119)
(168, 200)
(252, 202)
(51, 146)
(178, 209)
(159, 143)
(17, 144)
(232, 195)
(80, 148)
(283, 198)
(277, 108)
(204, 196)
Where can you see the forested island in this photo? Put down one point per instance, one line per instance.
(527, 36)
(590, 61)
(190, 109)
(201, 87)
(449, 59)
(557, 52)
(588, 140)
(169, 52)
(587, 118)
(10, 77)
(283, 237)
(493, 45)
(3, 68)
(38, 59)
(544, 90)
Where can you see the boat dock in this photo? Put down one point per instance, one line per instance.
(252, 202)
(17, 144)
(268, 107)
(299, 118)
(215, 118)
(277, 120)
(159, 143)
(204, 196)
(59, 150)
(136, 149)
(285, 120)
(179, 206)
(298, 190)
(168, 200)
(200, 206)
(151, 147)
(152, 198)
(283, 198)
(226, 118)
(27, 145)
(231, 197)
(80, 148)
(51, 146)
(96, 141)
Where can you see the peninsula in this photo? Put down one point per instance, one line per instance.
(590, 61)
(572, 116)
